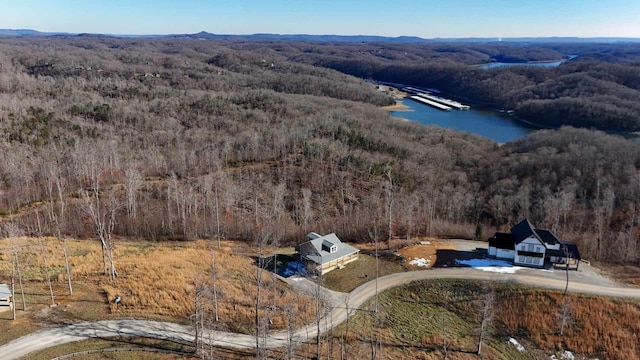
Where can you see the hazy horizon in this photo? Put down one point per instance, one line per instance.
(459, 19)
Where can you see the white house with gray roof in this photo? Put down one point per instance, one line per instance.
(6, 300)
(322, 254)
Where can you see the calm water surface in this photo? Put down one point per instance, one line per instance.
(487, 123)
(542, 64)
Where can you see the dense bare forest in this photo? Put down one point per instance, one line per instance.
(597, 87)
(185, 139)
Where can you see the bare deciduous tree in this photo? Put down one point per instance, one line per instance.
(102, 213)
(389, 195)
(132, 182)
(486, 317)
(43, 253)
(57, 206)
(261, 242)
(214, 289)
(199, 314)
(306, 209)
(564, 314)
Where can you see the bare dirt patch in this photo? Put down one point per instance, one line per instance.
(423, 255)
(394, 244)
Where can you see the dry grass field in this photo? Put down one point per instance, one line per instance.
(413, 317)
(600, 327)
(362, 271)
(124, 347)
(155, 281)
(627, 274)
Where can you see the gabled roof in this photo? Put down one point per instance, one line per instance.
(315, 251)
(547, 237)
(5, 293)
(523, 230)
(572, 250)
(503, 241)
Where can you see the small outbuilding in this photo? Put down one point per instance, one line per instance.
(322, 254)
(6, 298)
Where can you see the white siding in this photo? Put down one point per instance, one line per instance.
(553, 247)
(529, 261)
(492, 251)
(505, 254)
(531, 240)
(530, 244)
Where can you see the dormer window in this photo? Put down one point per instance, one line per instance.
(334, 248)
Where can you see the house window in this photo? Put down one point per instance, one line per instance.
(530, 247)
(521, 258)
(334, 248)
(538, 249)
(528, 259)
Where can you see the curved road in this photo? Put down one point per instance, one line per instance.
(170, 331)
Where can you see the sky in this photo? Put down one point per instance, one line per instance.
(427, 19)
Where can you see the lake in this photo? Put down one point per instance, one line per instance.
(541, 63)
(488, 123)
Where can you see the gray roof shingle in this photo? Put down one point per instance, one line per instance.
(315, 251)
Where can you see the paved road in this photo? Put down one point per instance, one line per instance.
(170, 331)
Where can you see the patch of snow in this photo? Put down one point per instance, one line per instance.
(501, 270)
(420, 262)
(425, 242)
(515, 343)
(565, 355)
(492, 265)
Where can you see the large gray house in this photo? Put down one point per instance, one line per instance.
(322, 254)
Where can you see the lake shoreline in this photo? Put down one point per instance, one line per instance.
(398, 106)
(547, 127)
(542, 63)
(481, 121)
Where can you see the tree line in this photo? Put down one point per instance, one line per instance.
(185, 139)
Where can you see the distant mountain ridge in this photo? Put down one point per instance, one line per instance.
(33, 33)
(326, 38)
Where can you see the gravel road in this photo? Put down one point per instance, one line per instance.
(163, 330)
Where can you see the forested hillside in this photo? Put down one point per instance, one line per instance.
(183, 139)
(598, 88)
